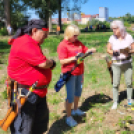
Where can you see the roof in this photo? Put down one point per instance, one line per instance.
(62, 19)
(78, 20)
(86, 16)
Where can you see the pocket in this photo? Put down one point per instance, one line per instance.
(32, 98)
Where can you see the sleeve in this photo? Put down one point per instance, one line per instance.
(131, 39)
(62, 52)
(31, 54)
(110, 40)
(84, 48)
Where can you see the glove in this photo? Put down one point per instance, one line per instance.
(54, 65)
(116, 54)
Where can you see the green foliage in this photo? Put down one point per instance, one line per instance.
(88, 23)
(45, 7)
(94, 79)
(126, 18)
(75, 23)
(107, 24)
(122, 121)
(94, 22)
(125, 132)
(126, 24)
(2, 25)
(18, 12)
(3, 31)
(4, 94)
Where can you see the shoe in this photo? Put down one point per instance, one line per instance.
(130, 101)
(71, 122)
(77, 112)
(114, 105)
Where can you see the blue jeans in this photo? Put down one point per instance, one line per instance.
(74, 87)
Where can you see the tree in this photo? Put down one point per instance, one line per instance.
(7, 12)
(128, 17)
(13, 12)
(45, 9)
(132, 19)
(1, 11)
(59, 12)
(65, 5)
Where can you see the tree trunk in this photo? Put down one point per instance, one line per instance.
(7, 12)
(60, 15)
(50, 23)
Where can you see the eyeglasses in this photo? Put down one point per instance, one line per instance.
(75, 35)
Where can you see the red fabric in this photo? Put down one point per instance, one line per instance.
(10, 41)
(25, 55)
(66, 50)
(45, 29)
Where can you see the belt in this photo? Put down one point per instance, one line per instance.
(26, 86)
(116, 61)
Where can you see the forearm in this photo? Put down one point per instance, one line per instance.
(93, 50)
(89, 50)
(46, 64)
(131, 51)
(110, 52)
(68, 60)
(132, 48)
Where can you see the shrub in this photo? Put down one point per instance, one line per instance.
(3, 31)
(126, 24)
(4, 94)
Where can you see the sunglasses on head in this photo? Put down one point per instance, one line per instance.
(39, 23)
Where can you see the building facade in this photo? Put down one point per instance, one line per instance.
(83, 18)
(103, 14)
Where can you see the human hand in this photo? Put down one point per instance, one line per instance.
(93, 50)
(131, 51)
(78, 58)
(116, 53)
(79, 55)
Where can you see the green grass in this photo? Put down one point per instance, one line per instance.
(96, 96)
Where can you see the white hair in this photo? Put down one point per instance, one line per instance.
(120, 25)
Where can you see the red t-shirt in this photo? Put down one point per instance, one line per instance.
(68, 49)
(25, 55)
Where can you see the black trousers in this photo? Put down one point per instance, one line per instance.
(34, 116)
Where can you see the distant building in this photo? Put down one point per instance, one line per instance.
(103, 14)
(83, 18)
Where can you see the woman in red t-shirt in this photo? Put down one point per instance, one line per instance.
(28, 64)
(68, 50)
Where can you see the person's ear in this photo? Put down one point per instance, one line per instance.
(34, 30)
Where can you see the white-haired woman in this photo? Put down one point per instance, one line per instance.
(68, 50)
(120, 46)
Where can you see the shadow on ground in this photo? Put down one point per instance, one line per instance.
(98, 98)
(123, 95)
(59, 126)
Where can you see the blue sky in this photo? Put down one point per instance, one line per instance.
(116, 8)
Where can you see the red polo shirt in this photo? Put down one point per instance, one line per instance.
(68, 49)
(25, 55)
